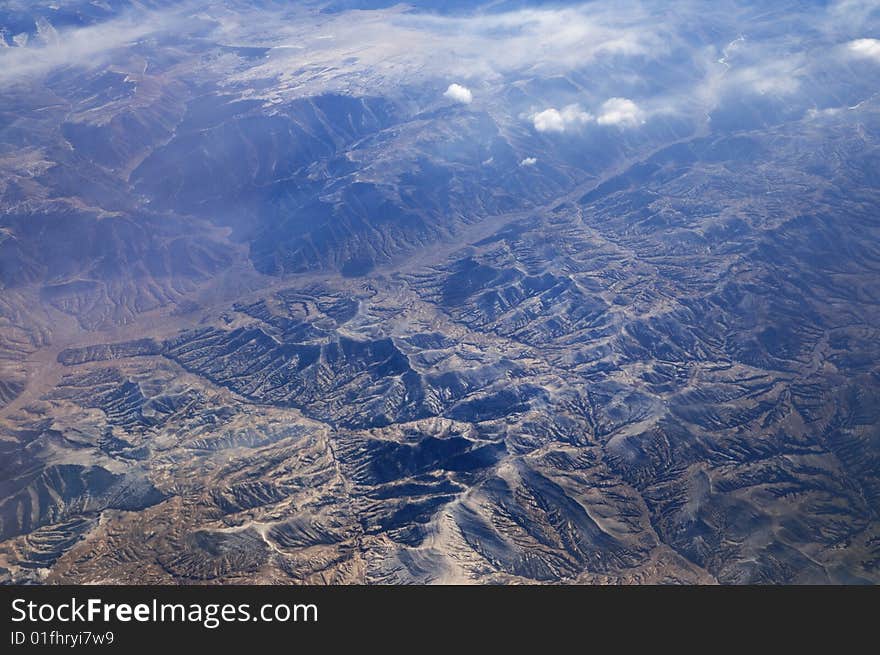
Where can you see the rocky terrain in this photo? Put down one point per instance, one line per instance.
(274, 308)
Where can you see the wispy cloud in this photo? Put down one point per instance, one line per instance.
(599, 63)
(545, 38)
(398, 46)
(82, 46)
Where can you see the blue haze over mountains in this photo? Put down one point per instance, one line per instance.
(503, 292)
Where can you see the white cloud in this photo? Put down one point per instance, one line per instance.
(528, 161)
(620, 111)
(549, 120)
(868, 48)
(554, 120)
(459, 93)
